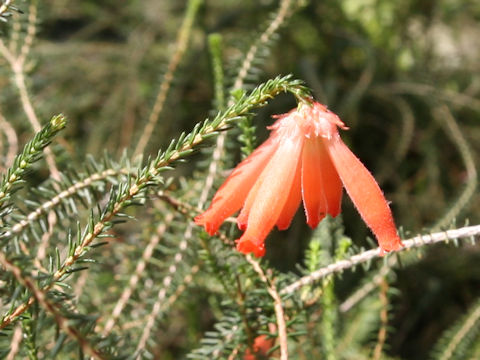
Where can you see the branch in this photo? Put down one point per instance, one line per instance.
(56, 200)
(382, 331)
(12, 140)
(15, 343)
(272, 290)
(17, 64)
(416, 242)
(31, 153)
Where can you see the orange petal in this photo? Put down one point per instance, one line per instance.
(321, 186)
(231, 195)
(331, 182)
(261, 346)
(365, 194)
(313, 192)
(247, 246)
(275, 184)
(242, 218)
(288, 211)
(293, 200)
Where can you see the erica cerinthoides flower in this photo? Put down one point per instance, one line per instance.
(261, 347)
(304, 159)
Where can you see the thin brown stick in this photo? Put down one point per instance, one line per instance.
(382, 332)
(41, 297)
(44, 242)
(189, 210)
(181, 46)
(31, 32)
(15, 35)
(234, 354)
(279, 313)
(15, 343)
(12, 140)
(17, 63)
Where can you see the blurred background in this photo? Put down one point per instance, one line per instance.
(403, 75)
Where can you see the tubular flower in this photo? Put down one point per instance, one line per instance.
(261, 346)
(304, 159)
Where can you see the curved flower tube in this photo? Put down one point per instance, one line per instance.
(304, 159)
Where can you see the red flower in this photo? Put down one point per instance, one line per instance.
(261, 345)
(303, 159)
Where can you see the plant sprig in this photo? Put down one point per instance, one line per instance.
(132, 191)
(31, 153)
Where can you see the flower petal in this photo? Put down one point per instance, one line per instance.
(331, 182)
(321, 186)
(261, 346)
(365, 194)
(242, 218)
(247, 246)
(293, 200)
(231, 195)
(274, 187)
(313, 192)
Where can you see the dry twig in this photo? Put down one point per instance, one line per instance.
(272, 290)
(416, 242)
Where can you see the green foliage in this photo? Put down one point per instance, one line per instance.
(6, 9)
(458, 341)
(30, 154)
(99, 256)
